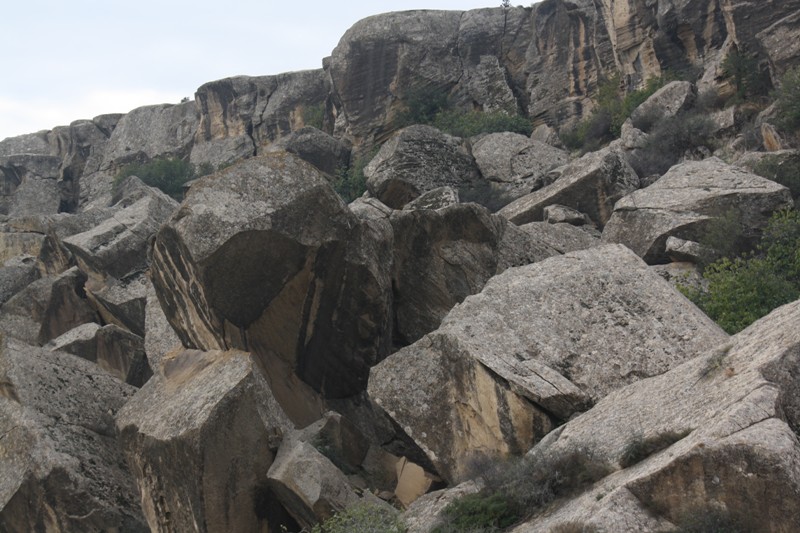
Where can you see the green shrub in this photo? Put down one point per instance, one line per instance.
(640, 448)
(422, 104)
(748, 77)
(669, 140)
(476, 511)
(711, 520)
(169, 175)
(351, 182)
(787, 101)
(363, 518)
(781, 169)
(314, 115)
(722, 238)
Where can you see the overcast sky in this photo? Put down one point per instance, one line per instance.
(68, 60)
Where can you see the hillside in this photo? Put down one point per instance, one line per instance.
(512, 269)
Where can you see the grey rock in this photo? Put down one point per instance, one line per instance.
(47, 308)
(539, 344)
(61, 464)
(434, 199)
(684, 201)
(683, 250)
(152, 131)
(591, 184)
(328, 154)
(681, 275)
(730, 413)
(16, 274)
(159, 337)
(561, 214)
(546, 134)
(370, 209)
(670, 100)
(428, 511)
(199, 438)
(117, 247)
(265, 256)
(442, 256)
(14, 244)
(562, 237)
(416, 160)
(121, 302)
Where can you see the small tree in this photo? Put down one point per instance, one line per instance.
(788, 102)
(505, 4)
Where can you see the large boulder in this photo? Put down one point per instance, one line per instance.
(686, 200)
(265, 256)
(159, 337)
(591, 184)
(29, 173)
(199, 438)
(669, 101)
(442, 256)
(324, 151)
(716, 435)
(117, 247)
(62, 469)
(416, 160)
(16, 274)
(538, 344)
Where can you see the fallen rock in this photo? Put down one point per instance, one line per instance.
(442, 256)
(591, 184)
(370, 209)
(539, 344)
(117, 247)
(61, 465)
(686, 200)
(47, 308)
(328, 154)
(558, 214)
(117, 351)
(669, 101)
(199, 438)
(717, 433)
(159, 337)
(121, 302)
(418, 159)
(434, 199)
(427, 512)
(16, 274)
(265, 256)
(563, 238)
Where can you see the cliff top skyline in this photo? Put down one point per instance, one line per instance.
(73, 61)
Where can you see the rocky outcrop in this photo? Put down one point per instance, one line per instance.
(199, 438)
(591, 184)
(238, 115)
(265, 257)
(716, 434)
(443, 256)
(670, 100)
(325, 152)
(537, 345)
(686, 200)
(419, 159)
(61, 465)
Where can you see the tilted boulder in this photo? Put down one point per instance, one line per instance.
(159, 337)
(117, 247)
(121, 302)
(438, 198)
(418, 159)
(117, 351)
(265, 256)
(199, 438)
(325, 152)
(16, 274)
(686, 200)
(62, 469)
(591, 184)
(563, 237)
(538, 344)
(717, 434)
(669, 101)
(47, 308)
(442, 256)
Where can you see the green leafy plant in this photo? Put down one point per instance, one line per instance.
(748, 77)
(169, 175)
(639, 447)
(669, 139)
(314, 115)
(781, 169)
(479, 511)
(350, 182)
(362, 518)
(787, 102)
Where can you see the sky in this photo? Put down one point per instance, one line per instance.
(69, 60)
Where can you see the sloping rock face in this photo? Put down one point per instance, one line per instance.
(324, 151)
(266, 257)
(443, 256)
(719, 433)
(591, 184)
(419, 159)
(238, 115)
(684, 201)
(199, 438)
(61, 466)
(537, 345)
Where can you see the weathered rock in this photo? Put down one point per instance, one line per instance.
(159, 337)
(121, 302)
(591, 184)
(61, 465)
(682, 274)
(563, 238)
(370, 209)
(265, 256)
(118, 246)
(239, 114)
(515, 161)
(561, 214)
(117, 351)
(16, 274)
(718, 432)
(416, 160)
(328, 154)
(771, 137)
(427, 512)
(669, 101)
(443, 256)
(434, 199)
(29, 173)
(148, 132)
(686, 200)
(16, 244)
(47, 308)
(199, 438)
(546, 134)
(683, 250)
(537, 345)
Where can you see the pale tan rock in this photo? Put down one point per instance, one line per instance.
(412, 482)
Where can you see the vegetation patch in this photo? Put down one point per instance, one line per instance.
(314, 115)
(168, 175)
(350, 182)
(711, 520)
(363, 518)
(781, 169)
(640, 448)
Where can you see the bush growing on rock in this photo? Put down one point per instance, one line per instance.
(785, 171)
(669, 139)
(169, 175)
(788, 100)
(362, 518)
